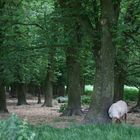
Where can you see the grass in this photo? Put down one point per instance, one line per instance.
(130, 93)
(89, 132)
(15, 129)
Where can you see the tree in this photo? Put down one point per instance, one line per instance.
(126, 63)
(104, 76)
(72, 32)
(48, 83)
(3, 107)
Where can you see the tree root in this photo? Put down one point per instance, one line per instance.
(72, 112)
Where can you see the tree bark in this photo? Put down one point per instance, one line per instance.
(48, 83)
(82, 85)
(138, 102)
(48, 91)
(21, 93)
(119, 83)
(39, 94)
(104, 76)
(73, 82)
(13, 92)
(72, 28)
(3, 107)
(59, 89)
(32, 89)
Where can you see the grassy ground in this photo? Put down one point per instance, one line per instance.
(90, 132)
(15, 129)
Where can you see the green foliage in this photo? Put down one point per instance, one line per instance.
(130, 94)
(15, 129)
(88, 92)
(85, 99)
(62, 108)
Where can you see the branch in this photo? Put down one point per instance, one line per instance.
(133, 64)
(134, 74)
(30, 24)
(131, 36)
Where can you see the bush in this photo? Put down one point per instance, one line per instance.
(85, 99)
(62, 108)
(87, 92)
(15, 129)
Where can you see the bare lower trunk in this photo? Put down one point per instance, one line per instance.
(32, 89)
(3, 107)
(73, 83)
(48, 83)
(82, 85)
(21, 93)
(119, 84)
(48, 91)
(13, 92)
(59, 89)
(39, 95)
(138, 102)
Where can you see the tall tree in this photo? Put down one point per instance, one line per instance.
(48, 83)
(104, 76)
(72, 29)
(3, 107)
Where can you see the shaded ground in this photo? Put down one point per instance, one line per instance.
(36, 114)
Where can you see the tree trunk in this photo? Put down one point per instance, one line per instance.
(59, 86)
(138, 102)
(82, 85)
(59, 89)
(72, 28)
(21, 93)
(3, 107)
(119, 84)
(73, 83)
(13, 92)
(39, 95)
(104, 76)
(32, 89)
(48, 83)
(48, 92)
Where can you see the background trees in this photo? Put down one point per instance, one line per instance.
(52, 44)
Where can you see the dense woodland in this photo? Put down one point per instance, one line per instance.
(47, 45)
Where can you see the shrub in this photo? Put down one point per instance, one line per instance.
(85, 99)
(15, 129)
(88, 92)
(62, 108)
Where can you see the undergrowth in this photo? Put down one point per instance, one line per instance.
(15, 129)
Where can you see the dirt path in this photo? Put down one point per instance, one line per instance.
(36, 114)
